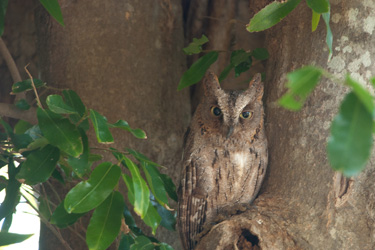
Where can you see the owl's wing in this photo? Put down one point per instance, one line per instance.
(192, 207)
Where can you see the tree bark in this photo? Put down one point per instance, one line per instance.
(124, 58)
(303, 203)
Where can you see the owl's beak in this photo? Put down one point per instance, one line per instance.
(230, 131)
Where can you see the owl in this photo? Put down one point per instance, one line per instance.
(225, 156)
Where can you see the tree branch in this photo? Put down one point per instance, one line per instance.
(16, 76)
(9, 110)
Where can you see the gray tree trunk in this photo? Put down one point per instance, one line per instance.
(303, 204)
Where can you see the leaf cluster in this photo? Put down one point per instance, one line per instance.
(58, 147)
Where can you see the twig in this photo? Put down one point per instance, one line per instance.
(32, 83)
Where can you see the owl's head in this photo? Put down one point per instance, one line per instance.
(231, 113)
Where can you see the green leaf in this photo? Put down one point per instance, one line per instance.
(26, 85)
(271, 15)
(165, 246)
(37, 143)
(129, 220)
(314, 20)
(318, 6)
(39, 165)
(62, 218)
(225, 72)
(129, 184)
(60, 132)
(155, 183)
(57, 105)
(152, 218)
(260, 54)
(126, 242)
(197, 70)
(242, 67)
(350, 143)
(301, 83)
(3, 9)
(138, 133)
(141, 191)
(12, 196)
(169, 186)
(168, 218)
(72, 99)
(195, 47)
(7, 222)
(363, 95)
(34, 132)
(53, 8)
(105, 222)
(21, 127)
(101, 127)
(81, 165)
(143, 243)
(239, 56)
(329, 37)
(89, 194)
(11, 238)
(141, 157)
(19, 141)
(22, 104)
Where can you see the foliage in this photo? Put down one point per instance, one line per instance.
(350, 143)
(58, 147)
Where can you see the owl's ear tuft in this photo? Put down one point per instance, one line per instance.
(256, 86)
(211, 83)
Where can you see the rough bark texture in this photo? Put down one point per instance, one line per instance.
(124, 58)
(303, 203)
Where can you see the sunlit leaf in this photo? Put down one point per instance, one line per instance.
(39, 165)
(53, 8)
(57, 105)
(101, 127)
(12, 238)
(129, 184)
(141, 191)
(301, 83)
(89, 194)
(318, 6)
(195, 47)
(350, 143)
(26, 85)
(271, 15)
(314, 20)
(105, 222)
(60, 132)
(62, 219)
(197, 70)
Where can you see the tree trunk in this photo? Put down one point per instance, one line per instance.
(303, 203)
(124, 58)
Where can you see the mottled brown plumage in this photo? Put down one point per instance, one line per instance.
(225, 156)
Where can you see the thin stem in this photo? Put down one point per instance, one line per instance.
(32, 84)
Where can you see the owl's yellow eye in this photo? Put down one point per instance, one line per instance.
(246, 115)
(216, 111)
